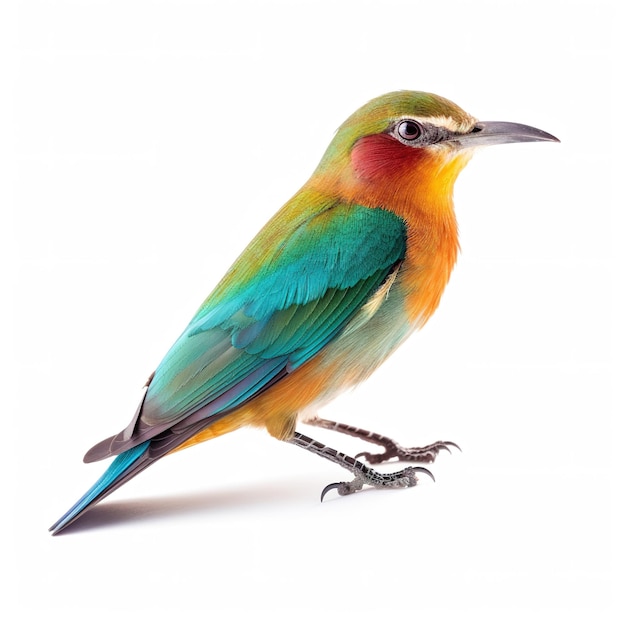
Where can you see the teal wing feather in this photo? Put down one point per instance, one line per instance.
(316, 280)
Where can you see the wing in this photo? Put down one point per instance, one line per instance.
(267, 320)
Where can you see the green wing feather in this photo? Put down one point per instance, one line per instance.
(265, 320)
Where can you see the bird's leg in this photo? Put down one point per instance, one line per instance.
(363, 475)
(425, 454)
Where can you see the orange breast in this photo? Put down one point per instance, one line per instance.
(417, 184)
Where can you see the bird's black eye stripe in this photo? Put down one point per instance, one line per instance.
(416, 134)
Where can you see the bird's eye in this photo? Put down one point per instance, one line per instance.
(409, 130)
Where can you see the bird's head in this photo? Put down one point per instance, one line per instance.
(409, 147)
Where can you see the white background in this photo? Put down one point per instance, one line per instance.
(146, 143)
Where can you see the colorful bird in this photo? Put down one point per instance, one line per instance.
(344, 272)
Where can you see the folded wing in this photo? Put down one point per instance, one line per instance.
(268, 320)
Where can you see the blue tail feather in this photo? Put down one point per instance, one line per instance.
(115, 471)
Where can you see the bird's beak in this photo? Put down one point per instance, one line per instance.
(492, 133)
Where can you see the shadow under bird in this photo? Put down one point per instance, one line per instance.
(344, 272)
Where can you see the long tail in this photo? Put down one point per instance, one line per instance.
(128, 464)
(123, 468)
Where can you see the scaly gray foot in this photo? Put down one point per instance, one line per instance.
(397, 480)
(424, 454)
(363, 475)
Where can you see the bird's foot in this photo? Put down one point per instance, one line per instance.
(364, 475)
(424, 454)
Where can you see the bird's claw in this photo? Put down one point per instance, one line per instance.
(392, 449)
(343, 488)
(398, 480)
(425, 454)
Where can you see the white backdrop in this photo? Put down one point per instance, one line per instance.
(147, 143)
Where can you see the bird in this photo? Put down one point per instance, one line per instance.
(336, 280)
